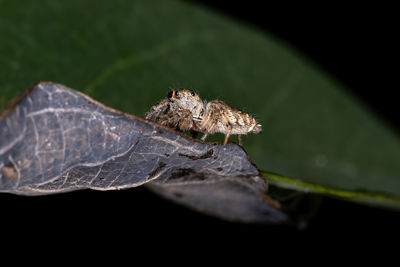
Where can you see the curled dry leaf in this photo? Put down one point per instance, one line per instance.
(55, 139)
(232, 198)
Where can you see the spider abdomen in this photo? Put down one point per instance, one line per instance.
(221, 118)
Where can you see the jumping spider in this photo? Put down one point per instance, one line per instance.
(184, 110)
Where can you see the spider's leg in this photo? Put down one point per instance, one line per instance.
(204, 125)
(185, 120)
(228, 135)
(179, 120)
(205, 122)
(225, 120)
(157, 110)
(240, 139)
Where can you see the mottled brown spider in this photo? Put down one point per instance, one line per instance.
(184, 110)
(178, 111)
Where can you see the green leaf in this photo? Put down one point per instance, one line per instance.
(127, 54)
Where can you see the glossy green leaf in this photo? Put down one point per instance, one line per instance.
(127, 54)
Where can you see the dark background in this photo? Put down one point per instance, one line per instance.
(355, 44)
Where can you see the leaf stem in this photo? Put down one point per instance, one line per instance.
(291, 183)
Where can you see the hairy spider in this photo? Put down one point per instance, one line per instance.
(184, 110)
(178, 111)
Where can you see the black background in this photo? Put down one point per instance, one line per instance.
(355, 44)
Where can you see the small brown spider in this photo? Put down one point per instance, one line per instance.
(184, 110)
(177, 111)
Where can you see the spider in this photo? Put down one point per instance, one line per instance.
(180, 110)
(184, 110)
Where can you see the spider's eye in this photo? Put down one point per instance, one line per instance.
(177, 94)
(170, 93)
(192, 92)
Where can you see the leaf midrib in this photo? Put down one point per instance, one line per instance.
(341, 193)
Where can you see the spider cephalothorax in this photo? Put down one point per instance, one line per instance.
(186, 100)
(178, 111)
(184, 110)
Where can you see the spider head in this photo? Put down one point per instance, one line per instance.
(187, 99)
